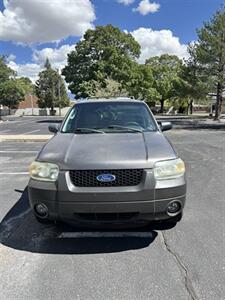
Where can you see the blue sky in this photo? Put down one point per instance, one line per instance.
(180, 16)
(31, 30)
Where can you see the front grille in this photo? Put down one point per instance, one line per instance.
(124, 177)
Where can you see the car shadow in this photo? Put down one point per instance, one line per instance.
(210, 127)
(195, 125)
(49, 121)
(19, 230)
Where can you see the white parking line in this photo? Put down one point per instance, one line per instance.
(14, 173)
(100, 234)
(15, 151)
(10, 122)
(31, 131)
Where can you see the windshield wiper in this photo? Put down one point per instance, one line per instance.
(88, 130)
(124, 127)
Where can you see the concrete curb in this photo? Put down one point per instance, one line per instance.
(25, 138)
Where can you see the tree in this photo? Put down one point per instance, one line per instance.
(11, 89)
(191, 86)
(141, 84)
(11, 93)
(110, 89)
(166, 71)
(105, 53)
(47, 64)
(209, 52)
(50, 89)
(26, 84)
(5, 71)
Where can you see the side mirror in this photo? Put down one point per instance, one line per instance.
(165, 126)
(54, 128)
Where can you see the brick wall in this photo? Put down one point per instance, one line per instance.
(27, 103)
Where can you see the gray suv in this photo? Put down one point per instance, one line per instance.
(108, 162)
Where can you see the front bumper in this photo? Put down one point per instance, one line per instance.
(146, 201)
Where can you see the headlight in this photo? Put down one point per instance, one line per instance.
(43, 171)
(169, 169)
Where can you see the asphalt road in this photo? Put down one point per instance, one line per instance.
(27, 125)
(185, 262)
(35, 125)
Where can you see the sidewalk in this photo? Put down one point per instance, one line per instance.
(25, 138)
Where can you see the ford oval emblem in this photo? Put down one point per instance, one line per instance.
(106, 177)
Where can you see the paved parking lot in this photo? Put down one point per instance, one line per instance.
(27, 125)
(35, 125)
(49, 262)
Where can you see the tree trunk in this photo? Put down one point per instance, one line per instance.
(161, 106)
(52, 110)
(190, 107)
(219, 98)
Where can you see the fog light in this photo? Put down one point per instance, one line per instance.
(41, 210)
(174, 207)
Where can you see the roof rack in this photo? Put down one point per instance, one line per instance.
(107, 98)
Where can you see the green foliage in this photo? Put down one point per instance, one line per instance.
(110, 89)
(104, 64)
(26, 84)
(11, 93)
(5, 71)
(141, 84)
(47, 64)
(209, 53)
(166, 71)
(50, 89)
(179, 104)
(192, 85)
(105, 53)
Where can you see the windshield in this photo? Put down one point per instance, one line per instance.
(109, 117)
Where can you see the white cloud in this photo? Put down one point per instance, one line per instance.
(11, 57)
(126, 2)
(28, 70)
(39, 21)
(156, 43)
(57, 58)
(153, 43)
(145, 7)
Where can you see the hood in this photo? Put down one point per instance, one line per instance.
(106, 151)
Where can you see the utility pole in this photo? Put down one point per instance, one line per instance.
(59, 92)
(32, 104)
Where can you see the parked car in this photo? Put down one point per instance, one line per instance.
(108, 162)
